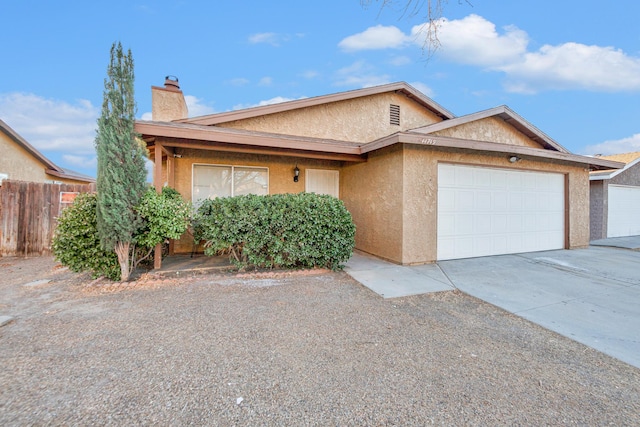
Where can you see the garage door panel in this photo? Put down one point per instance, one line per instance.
(623, 211)
(498, 211)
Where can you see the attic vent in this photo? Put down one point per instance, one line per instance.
(394, 114)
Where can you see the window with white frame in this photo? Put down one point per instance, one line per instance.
(211, 181)
(322, 181)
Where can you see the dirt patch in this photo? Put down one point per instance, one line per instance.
(277, 348)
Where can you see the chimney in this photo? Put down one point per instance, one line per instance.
(167, 103)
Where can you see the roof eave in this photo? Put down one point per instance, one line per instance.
(492, 147)
(211, 134)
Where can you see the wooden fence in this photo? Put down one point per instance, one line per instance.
(28, 212)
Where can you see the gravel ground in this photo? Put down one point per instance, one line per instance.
(296, 349)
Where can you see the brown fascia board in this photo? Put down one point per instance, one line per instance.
(505, 113)
(401, 87)
(70, 175)
(31, 149)
(490, 147)
(185, 131)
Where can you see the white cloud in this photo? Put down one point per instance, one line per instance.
(360, 74)
(269, 38)
(574, 66)
(80, 162)
(197, 107)
(378, 37)
(616, 146)
(239, 81)
(50, 124)
(310, 74)
(274, 100)
(265, 81)
(474, 40)
(423, 88)
(399, 61)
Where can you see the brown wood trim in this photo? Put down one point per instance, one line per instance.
(265, 151)
(567, 214)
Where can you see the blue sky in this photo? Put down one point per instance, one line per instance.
(572, 68)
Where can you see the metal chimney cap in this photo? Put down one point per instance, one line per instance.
(171, 82)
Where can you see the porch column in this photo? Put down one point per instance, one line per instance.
(157, 181)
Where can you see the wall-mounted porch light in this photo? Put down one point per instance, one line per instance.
(296, 174)
(514, 159)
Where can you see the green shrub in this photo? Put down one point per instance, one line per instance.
(165, 216)
(76, 243)
(303, 230)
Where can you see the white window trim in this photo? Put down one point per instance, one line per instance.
(193, 168)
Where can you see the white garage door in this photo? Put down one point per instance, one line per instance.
(486, 211)
(624, 211)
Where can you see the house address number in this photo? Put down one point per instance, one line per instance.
(428, 141)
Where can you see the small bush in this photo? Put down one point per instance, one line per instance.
(303, 230)
(76, 243)
(165, 216)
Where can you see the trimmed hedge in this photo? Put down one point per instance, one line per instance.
(302, 230)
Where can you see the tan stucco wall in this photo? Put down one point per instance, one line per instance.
(421, 194)
(280, 174)
(372, 192)
(393, 199)
(358, 120)
(21, 165)
(491, 129)
(167, 105)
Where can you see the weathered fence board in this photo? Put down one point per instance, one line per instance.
(28, 212)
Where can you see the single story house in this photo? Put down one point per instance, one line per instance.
(615, 198)
(20, 161)
(421, 184)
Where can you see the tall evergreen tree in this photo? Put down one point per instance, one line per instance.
(121, 161)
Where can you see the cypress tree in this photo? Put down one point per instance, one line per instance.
(121, 162)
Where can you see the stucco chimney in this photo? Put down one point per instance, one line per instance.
(167, 103)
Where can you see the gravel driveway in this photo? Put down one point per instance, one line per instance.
(286, 349)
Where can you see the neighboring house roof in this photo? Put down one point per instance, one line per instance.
(402, 87)
(505, 113)
(629, 159)
(50, 167)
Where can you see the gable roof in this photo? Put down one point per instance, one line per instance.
(50, 167)
(505, 113)
(201, 133)
(400, 87)
(630, 160)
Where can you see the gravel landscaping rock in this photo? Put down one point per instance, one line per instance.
(306, 348)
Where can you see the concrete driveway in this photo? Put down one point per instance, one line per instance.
(589, 295)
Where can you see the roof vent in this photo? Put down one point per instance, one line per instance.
(394, 114)
(171, 83)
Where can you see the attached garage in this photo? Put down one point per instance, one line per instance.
(491, 211)
(615, 198)
(624, 211)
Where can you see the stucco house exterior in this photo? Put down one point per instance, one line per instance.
(421, 184)
(615, 198)
(20, 161)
